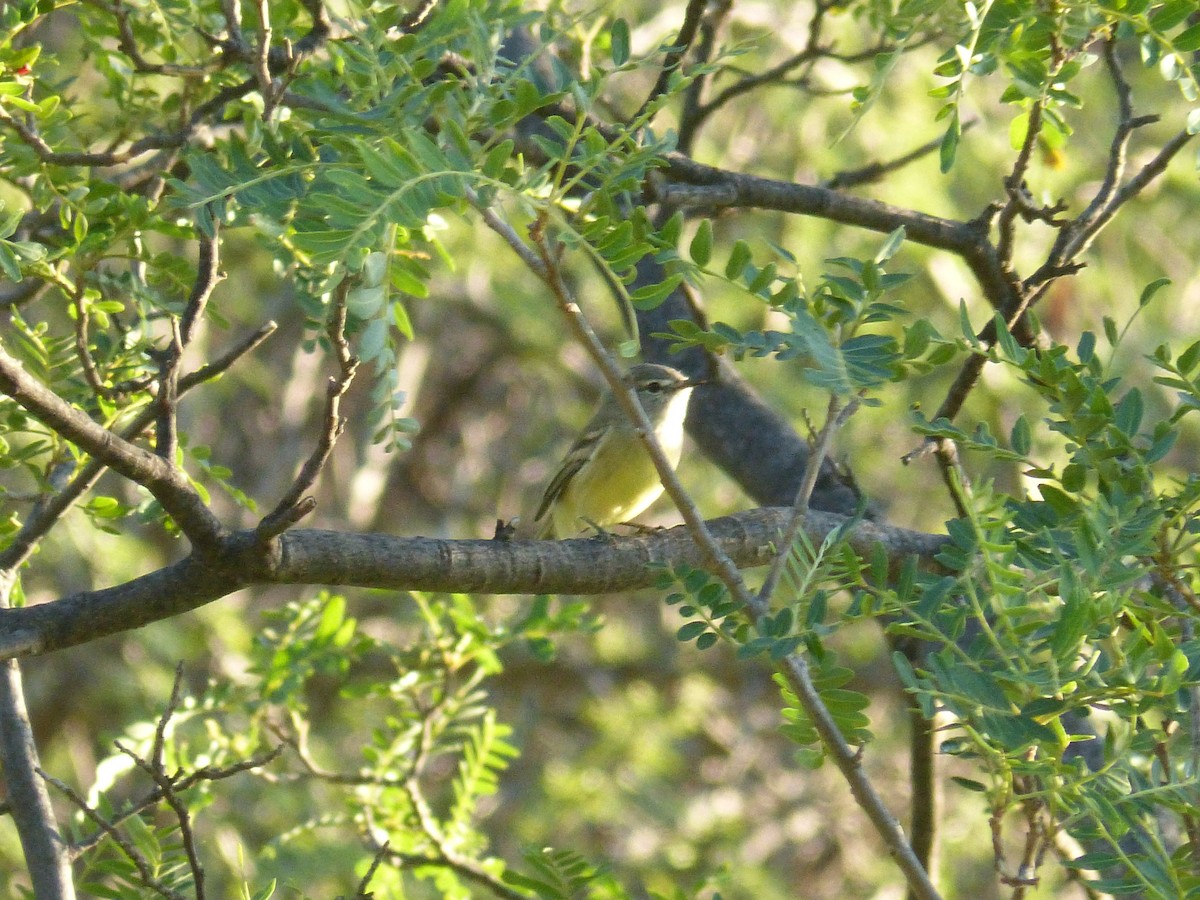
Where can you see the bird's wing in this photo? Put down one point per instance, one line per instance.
(576, 457)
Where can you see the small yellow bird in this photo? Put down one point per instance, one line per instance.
(607, 476)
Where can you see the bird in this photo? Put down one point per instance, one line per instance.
(607, 476)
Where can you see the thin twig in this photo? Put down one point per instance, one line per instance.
(166, 438)
(876, 171)
(444, 855)
(793, 666)
(1014, 187)
(168, 784)
(493, 221)
(693, 95)
(180, 785)
(131, 852)
(208, 273)
(835, 417)
(365, 881)
(675, 54)
(168, 485)
(225, 361)
(128, 43)
(82, 351)
(51, 507)
(1075, 238)
(293, 506)
(299, 745)
(467, 868)
(262, 61)
(812, 50)
(1083, 238)
(232, 11)
(281, 59)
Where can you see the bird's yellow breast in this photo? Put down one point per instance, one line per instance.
(620, 481)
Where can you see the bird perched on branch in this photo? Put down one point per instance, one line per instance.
(608, 476)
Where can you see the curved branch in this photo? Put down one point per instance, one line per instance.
(169, 485)
(689, 183)
(50, 508)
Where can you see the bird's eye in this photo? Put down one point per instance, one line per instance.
(654, 387)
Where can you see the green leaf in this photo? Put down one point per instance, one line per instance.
(1110, 331)
(619, 38)
(1008, 344)
(366, 302)
(969, 784)
(1188, 359)
(401, 319)
(650, 296)
(739, 258)
(373, 340)
(1171, 14)
(1151, 289)
(701, 247)
(9, 264)
(1021, 437)
(890, 246)
(964, 324)
(1127, 415)
(672, 229)
(1074, 478)
(1086, 348)
(949, 146)
(497, 158)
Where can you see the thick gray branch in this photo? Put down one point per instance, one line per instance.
(45, 853)
(307, 556)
